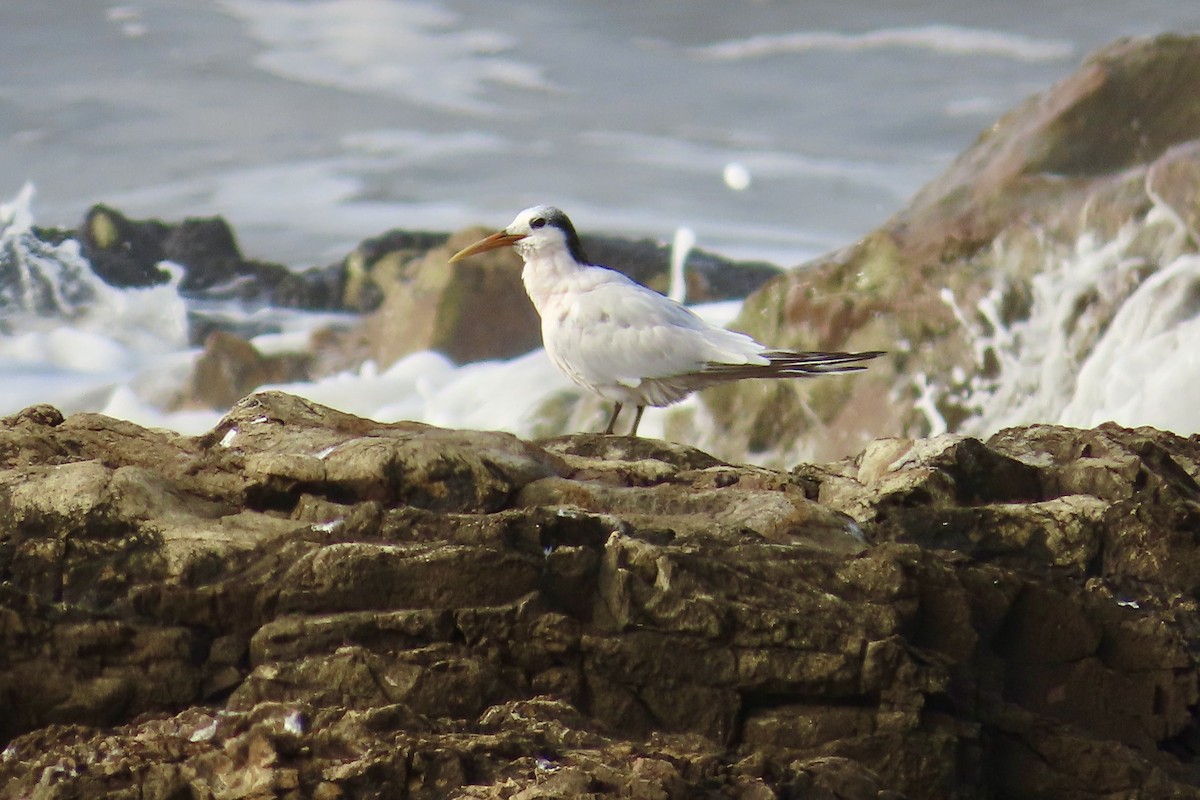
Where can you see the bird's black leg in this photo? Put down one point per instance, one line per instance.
(613, 419)
(637, 420)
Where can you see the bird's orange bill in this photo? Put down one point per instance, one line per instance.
(498, 239)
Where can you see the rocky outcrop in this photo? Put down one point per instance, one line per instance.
(1002, 278)
(310, 604)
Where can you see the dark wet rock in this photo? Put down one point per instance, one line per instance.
(208, 249)
(128, 253)
(1108, 155)
(124, 252)
(308, 603)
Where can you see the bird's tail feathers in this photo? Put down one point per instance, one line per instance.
(791, 364)
(780, 364)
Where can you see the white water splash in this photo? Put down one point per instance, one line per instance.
(944, 39)
(66, 336)
(1113, 333)
(53, 292)
(1145, 370)
(926, 404)
(681, 248)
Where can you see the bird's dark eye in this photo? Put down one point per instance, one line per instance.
(537, 223)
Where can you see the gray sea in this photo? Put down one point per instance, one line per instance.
(772, 129)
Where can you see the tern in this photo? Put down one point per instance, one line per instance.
(628, 343)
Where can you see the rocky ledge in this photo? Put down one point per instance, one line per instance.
(304, 603)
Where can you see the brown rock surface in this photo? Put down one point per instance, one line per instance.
(229, 368)
(1102, 165)
(304, 603)
(470, 312)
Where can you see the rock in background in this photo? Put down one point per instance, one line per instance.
(128, 253)
(478, 310)
(1046, 275)
(406, 296)
(996, 289)
(304, 603)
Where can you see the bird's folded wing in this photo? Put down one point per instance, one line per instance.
(623, 334)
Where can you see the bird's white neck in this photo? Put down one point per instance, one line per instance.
(549, 273)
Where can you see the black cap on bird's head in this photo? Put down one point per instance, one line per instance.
(534, 228)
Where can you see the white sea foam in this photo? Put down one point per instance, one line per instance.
(1112, 334)
(1145, 370)
(67, 336)
(942, 39)
(926, 404)
(123, 402)
(406, 49)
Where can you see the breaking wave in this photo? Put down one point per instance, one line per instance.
(942, 39)
(1111, 335)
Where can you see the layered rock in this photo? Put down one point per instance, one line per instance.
(307, 603)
